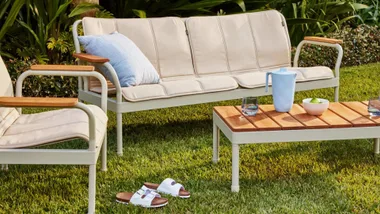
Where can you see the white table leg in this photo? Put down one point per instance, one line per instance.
(215, 144)
(376, 146)
(235, 168)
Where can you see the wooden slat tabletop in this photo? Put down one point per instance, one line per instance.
(234, 119)
(262, 121)
(339, 115)
(362, 108)
(309, 121)
(334, 120)
(285, 120)
(351, 116)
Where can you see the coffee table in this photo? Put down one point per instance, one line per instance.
(344, 120)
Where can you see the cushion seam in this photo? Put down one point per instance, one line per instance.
(183, 94)
(254, 42)
(48, 127)
(189, 37)
(10, 125)
(224, 44)
(155, 46)
(200, 85)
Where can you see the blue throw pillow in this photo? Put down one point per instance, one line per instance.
(131, 65)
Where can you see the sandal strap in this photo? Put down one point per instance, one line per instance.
(170, 186)
(144, 197)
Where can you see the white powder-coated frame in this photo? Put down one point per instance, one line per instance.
(65, 156)
(251, 137)
(119, 105)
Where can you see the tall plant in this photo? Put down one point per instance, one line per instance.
(8, 15)
(315, 17)
(39, 28)
(371, 14)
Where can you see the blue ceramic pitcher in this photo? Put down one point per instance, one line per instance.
(283, 87)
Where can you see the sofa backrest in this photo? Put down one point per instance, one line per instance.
(163, 41)
(7, 115)
(237, 43)
(208, 45)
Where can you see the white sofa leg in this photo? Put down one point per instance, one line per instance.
(91, 188)
(376, 146)
(104, 153)
(119, 122)
(336, 94)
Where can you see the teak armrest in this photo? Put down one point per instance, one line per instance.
(91, 58)
(323, 39)
(62, 67)
(37, 102)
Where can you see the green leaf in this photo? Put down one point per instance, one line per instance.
(294, 5)
(139, 13)
(241, 4)
(358, 6)
(60, 10)
(83, 8)
(6, 55)
(16, 7)
(33, 33)
(4, 5)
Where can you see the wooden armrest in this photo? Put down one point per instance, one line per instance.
(37, 102)
(323, 39)
(91, 58)
(62, 67)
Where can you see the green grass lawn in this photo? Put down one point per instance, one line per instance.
(308, 177)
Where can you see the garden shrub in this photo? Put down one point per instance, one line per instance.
(41, 86)
(361, 46)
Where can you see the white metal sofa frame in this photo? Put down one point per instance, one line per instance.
(119, 105)
(68, 156)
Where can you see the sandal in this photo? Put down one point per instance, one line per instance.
(144, 197)
(169, 186)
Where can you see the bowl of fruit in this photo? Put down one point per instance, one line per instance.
(315, 106)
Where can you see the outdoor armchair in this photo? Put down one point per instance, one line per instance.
(21, 135)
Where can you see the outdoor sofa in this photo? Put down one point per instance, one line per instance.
(202, 59)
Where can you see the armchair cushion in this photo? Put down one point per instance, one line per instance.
(131, 65)
(30, 130)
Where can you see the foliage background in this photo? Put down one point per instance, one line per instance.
(39, 31)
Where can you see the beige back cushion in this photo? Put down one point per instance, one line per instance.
(163, 41)
(239, 43)
(7, 115)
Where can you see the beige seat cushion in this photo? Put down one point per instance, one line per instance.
(257, 79)
(51, 127)
(175, 88)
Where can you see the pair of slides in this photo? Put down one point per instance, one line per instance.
(148, 195)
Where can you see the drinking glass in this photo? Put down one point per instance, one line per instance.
(374, 106)
(249, 106)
